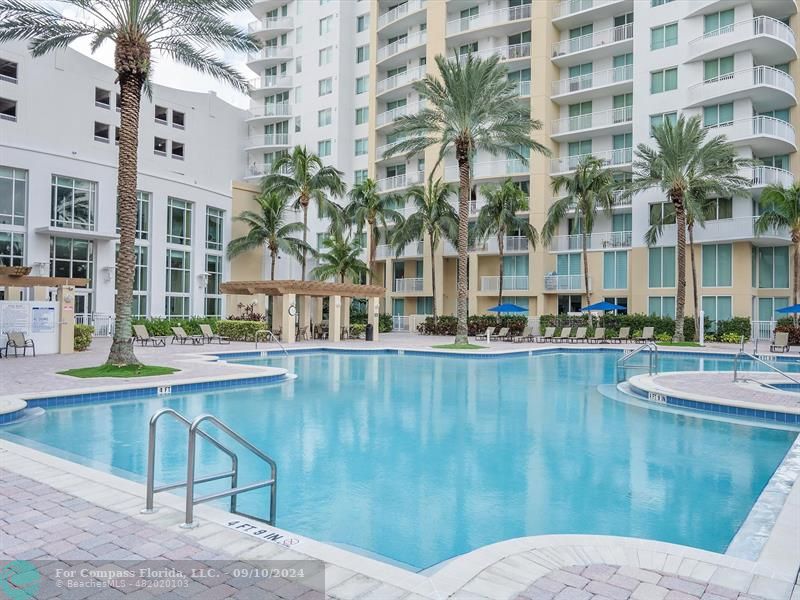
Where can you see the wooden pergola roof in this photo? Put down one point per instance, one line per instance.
(33, 281)
(301, 288)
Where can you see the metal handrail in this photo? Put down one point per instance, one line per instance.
(274, 337)
(652, 366)
(194, 430)
(758, 360)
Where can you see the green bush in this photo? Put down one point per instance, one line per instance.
(735, 327)
(384, 323)
(476, 324)
(357, 329)
(161, 327)
(730, 338)
(83, 337)
(637, 323)
(242, 331)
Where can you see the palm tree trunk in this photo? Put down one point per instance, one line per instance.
(500, 283)
(680, 301)
(121, 352)
(697, 323)
(273, 258)
(304, 204)
(433, 277)
(373, 243)
(462, 156)
(585, 253)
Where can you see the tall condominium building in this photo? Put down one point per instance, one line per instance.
(600, 74)
(58, 175)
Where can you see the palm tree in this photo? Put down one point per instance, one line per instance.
(270, 227)
(302, 176)
(780, 208)
(472, 106)
(499, 217)
(434, 216)
(182, 31)
(367, 208)
(684, 160)
(342, 259)
(589, 190)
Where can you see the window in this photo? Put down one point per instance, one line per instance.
(178, 150)
(779, 161)
(73, 203)
(718, 68)
(298, 124)
(215, 218)
(140, 278)
(12, 249)
(298, 64)
(8, 71)
(661, 306)
(779, 113)
(716, 308)
(467, 15)
(178, 119)
(619, 301)
(718, 22)
(118, 102)
(719, 208)
(661, 267)
(325, 25)
(470, 48)
(772, 266)
(360, 176)
(102, 132)
(178, 285)
(362, 54)
(717, 265)
(623, 67)
(298, 33)
(160, 146)
(361, 146)
(658, 120)
(324, 148)
(8, 109)
(213, 294)
(179, 222)
(615, 270)
(116, 135)
(161, 114)
(570, 304)
(325, 86)
(362, 23)
(324, 117)
(664, 81)
(362, 115)
(663, 36)
(102, 98)
(662, 212)
(362, 84)
(142, 215)
(325, 56)
(767, 308)
(73, 258)
(13, 196)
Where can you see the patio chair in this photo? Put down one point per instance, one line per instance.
(781, 342)
(548, 335)
(209, 336)
(599, 336)
(502, 334)
(181, 336)
(141, 335)
(566, 333)
(624, 335)
(302, 333)
(647, 335)
(17, 341)
(525, 336)
(486, 334)
(580, 335)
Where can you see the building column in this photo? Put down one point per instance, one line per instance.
(346, 302)
(66, 320)
(287, 320)
(277, 310)
(374, 316)
(334, 318)
(304, 313)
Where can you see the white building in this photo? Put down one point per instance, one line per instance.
(58, 123)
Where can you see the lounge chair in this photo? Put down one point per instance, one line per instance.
(566, 333)
(779, 344)
(599, 336)
(647, 335)
(181, 336)
(502, 334)
(17, 341)
(141, 335)
(580, 335)
(209, 336)
(548, 335)
(624, 335)
(302, 333)
(486, 334)
(525, 336)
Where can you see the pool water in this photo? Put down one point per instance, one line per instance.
(417, 459)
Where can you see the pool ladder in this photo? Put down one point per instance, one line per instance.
(192, 480)
(652, 364)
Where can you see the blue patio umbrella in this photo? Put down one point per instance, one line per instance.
(508, 308)
(795, 308)
(605, 306)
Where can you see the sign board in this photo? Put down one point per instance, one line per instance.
(38, 320)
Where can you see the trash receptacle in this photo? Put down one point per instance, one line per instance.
(368, 333)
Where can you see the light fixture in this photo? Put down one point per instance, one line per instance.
(108, 274)
(203, 279)
(41, 268)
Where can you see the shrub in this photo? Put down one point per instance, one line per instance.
(735, 327)
(730, 338)
(246, 313)
(242, 331)
(162, 327)
(357, 329)
(83, 337)
(385, 323)
(476, 324)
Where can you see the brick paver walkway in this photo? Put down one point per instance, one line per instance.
(721, 385)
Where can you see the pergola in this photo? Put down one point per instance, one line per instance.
(287, 291)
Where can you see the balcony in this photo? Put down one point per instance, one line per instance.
(408, 284)
(556, 284)
(568, 13)
(593, 85)
(512, 244)
(616, 120)
(621, 157)
(390, 116)
(413, 40)
(489, 19)
(510, 283)
(603, 43)
(260, 170)
(270, 25)
(266, 112)
(383, 148)
(607, 240)
(523, 89)
(727, 230)
(767, 38)
(490, 169)
(400, 80)
(766, 135)
(507, 53)
(769, 88)
(399, 12)
(764, 176)
(620, 200)
(267, 140)
(270, 84)
(399, 182)
(267, 56)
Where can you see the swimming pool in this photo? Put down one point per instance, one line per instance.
(419, 458)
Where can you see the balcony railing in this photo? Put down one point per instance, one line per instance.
(570, 7)
(620, 200)
(742, 80)
(611, 158)
(523, 88)
(510, 282)
(510, 52)
(391, 115)
(400, 11)
(259, 170)
(268, 139)
(764, 175)
(593, 80)
(281, 109)
(494, 168)
(270, 52)
(605, 118)
(415, 39)
(399, 182)
(565, 283)
(756, 126)
(594, 40)
(383, 148)
(715, 230)
(607, 240)
(270, 23)
(403, 78)
(271, 81)
(511, 243)
(487, 19)
(742, 31)
(408, 284)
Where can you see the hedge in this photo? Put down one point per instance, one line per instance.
(384, 321)
(476, 324)
(161, 327)
(83, 337)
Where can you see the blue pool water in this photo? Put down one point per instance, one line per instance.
(418, 459)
